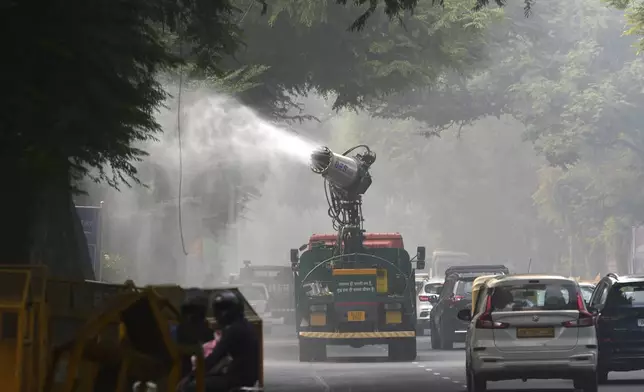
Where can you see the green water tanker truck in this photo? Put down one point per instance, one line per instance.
(353, 288)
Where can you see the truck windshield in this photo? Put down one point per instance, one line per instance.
(442, 263)
(253, 293)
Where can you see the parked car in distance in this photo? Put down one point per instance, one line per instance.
(587, 290)
(446, 328)
(258, 297)
(427, 296)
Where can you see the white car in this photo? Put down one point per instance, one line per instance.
(427, 293)
(587, 290)
(257, 296)
(530, 327)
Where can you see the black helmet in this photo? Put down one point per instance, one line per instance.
(227, 307)
(195, 304)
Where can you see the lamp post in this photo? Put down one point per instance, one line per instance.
(99, 256)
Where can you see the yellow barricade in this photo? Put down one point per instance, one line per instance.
(71, 304)
(35, 342)
(16, 329)
(58, 335)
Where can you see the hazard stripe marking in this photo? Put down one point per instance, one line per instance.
(358, 335)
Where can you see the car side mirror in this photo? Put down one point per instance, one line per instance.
(433, 299)
(464, 315)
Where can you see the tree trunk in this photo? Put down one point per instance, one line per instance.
(40, 225)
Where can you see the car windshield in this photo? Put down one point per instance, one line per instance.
(433, 288)
(626, 294)
(535, 296)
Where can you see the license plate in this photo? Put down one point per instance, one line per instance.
(640, 323)
(393, 317)
(535, 332)
(355, 316)
(318, 319)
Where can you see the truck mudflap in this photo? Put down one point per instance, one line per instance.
(358, 335)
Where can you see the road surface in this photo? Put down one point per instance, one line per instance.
(366, 370)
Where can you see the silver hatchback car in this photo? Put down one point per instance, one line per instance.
(530, 327)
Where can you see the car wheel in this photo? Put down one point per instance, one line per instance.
(590, 383)
(435, 339)
(602, 376)
(446, 342)
(475, 383)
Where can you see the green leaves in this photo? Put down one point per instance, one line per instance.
(363, 67)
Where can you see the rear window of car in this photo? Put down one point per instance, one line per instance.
(463, 287)
(433, 288)
(626, 294)
(535, 296)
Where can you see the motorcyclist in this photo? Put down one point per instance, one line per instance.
(193, 328)
(239, 342)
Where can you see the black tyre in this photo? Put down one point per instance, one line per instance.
(311, 351)
(602, 376)
(475, 383)
(435, 338)
(587, 383)
(402, 350)
(305, 351)
(446, 339)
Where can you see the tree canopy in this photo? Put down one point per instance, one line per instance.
(356, 67)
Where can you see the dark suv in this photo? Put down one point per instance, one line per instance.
(446, 328)
(618, 305)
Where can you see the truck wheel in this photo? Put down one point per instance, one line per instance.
(305, 351)
(311, 351)
(402, 350)
(319, 351)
